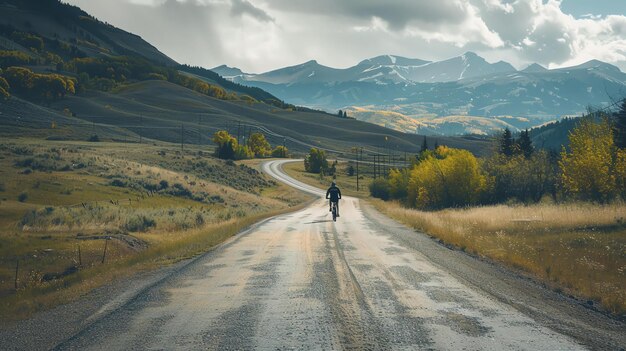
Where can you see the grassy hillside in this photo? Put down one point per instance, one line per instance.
(429, 124)
(62, 203)
(66, 24)
(157, 109)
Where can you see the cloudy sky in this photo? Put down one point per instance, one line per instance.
(261, 35)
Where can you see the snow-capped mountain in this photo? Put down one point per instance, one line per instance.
(386, 69)
(466, 85)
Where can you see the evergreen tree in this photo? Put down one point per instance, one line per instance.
(340, 113)
(506, 143)
(345, 114)
(619, 128)
(424, 145)
(525, 144)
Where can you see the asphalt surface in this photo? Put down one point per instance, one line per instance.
(303, 282)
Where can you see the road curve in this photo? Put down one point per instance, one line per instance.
(299, 281)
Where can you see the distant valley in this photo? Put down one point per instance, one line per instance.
(461, 95)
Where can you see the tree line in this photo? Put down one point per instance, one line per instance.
(591, 168)
(35, 86)
(257, 146)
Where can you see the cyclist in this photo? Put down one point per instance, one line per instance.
(334, 194)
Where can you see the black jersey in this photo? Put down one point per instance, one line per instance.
(333, 193)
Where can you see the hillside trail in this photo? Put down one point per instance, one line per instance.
(301, 281)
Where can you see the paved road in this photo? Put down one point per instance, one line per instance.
(300, 281)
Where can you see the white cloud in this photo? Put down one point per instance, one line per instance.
(259, 35)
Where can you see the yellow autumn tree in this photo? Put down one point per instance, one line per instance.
(588, 169)
(446, 178)
(620, 172)
(259, 145)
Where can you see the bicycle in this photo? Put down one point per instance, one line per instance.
(334, 211)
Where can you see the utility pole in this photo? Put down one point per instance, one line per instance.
(199, 130)
(238, 131)
(356, 151)
(375, 165)
(140, 128)
(284, 150)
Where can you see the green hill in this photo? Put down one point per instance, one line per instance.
(85, 77)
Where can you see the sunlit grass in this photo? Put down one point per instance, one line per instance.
(347, 184)
(579, 248)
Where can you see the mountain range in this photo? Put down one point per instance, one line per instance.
(425, 91)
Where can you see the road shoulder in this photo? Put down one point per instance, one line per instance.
(549, 308)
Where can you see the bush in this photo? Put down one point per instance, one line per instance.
(164, 184)
(118, 182)
(446, 178)
(315, 161)
(350, 171)
(13, 58)
(47, 87)
(22, 196)
(179, 190)
(227, 145)
(139, 224)
(280, 151)
(94, 138)
(380, 188)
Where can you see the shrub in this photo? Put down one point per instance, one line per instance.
(350, 171)
(280, 151)
(163, 184)
(94, 138)
(179, 190)
(139, 223)
(118, 182)
(22, 196)
(447, 178)
(315, 161)
(149, 186)
(13, 58)
(226, 145)
(199, 219)
(379, 188)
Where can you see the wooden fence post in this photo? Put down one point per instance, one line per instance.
(17, 268)
(106, 243)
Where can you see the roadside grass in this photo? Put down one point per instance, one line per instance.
(346, 183)
(576, 248)
(149, 205)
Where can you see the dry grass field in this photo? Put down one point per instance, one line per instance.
(63, 203)
(577, 248)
